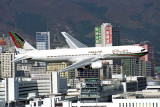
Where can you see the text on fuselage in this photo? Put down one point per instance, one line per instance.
(117, 51)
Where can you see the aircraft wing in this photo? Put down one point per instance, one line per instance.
(80, 64)
(18, 58)
(72, 42)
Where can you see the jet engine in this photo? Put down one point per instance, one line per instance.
(96, 65)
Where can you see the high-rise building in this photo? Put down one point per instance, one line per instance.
(43, 40)
(149, 57)
(116, 41)
(98, 39)
(90, 92)
(108, 35)
(130, 67)
(146, 68)
(116, 36)
(103, 35)
(8, 68)
(42, 43)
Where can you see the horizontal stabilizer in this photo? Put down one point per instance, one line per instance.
(19, 58)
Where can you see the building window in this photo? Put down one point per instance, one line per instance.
(149, 104)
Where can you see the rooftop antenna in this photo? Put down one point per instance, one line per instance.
(115, 23)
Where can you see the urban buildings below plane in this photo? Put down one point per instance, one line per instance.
(126, 84)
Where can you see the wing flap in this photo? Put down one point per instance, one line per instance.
(80, 64)
(72, 42)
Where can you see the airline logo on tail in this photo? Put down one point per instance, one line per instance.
(18, 41)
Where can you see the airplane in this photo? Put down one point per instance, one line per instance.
(78, 53)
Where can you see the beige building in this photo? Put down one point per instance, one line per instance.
(54, 67)
(8, 68)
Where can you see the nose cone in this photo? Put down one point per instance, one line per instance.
(145, 52)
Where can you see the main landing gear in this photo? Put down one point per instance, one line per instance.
(80, 69)
(137, 61)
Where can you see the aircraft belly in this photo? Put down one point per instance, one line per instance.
(118, 57)
(58, 59)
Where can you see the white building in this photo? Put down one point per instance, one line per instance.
(153, 84)
(50, 83)
(13, 89)
(43, 87)
(9, 89)
(46, 102)
(8, 68)
(106, 33)
(55, 80)
(73, 92)
(134, 99)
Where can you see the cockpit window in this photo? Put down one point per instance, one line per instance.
(142, 50)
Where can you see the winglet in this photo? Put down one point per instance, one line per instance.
(21, 57)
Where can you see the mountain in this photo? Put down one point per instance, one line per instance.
(138, 19)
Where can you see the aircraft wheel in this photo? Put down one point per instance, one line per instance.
(80, 69)
(137, 61)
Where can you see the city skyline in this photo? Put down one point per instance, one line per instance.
(136, 24)
(119, 68)
(86, 86)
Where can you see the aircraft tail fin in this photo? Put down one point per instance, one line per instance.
(21, 45)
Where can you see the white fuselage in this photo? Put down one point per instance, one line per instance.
(104, 53)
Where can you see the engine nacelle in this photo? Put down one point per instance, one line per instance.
(96, 65)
